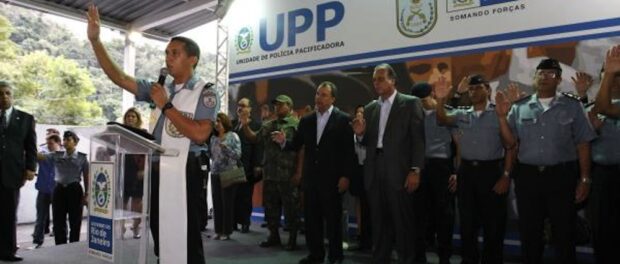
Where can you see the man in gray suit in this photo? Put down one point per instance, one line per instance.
(393, 131)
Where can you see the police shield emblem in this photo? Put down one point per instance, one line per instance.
(244, 40)
(416, 17)
(172, 130)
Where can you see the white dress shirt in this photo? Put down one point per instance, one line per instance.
(386, 106)
(321, 121)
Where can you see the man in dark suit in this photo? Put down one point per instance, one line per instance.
(18, 153)
(328, 160)
(394, 139)
(250, 157)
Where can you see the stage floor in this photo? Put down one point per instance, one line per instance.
(241, 249)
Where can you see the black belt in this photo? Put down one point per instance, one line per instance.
(379, 150)
(543, 168)
(67, 185)
(607, 167)
(476, 163)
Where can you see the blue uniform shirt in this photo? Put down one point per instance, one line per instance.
(438, 137)
(46, 174)
(480, 138)
(69, 168)
(549, 137)
(606, 148)
(203, 112)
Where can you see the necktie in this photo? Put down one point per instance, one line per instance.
(3, 120)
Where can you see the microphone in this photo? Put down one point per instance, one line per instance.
(163, 72)
(162, 76)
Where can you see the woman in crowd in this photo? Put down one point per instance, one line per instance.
(134, 174)
(225, 148)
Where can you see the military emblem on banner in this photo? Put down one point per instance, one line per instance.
(171, 130)
(244, 40)
(102, 192)
(416, 17)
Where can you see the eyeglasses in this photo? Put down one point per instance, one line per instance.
(546, 74)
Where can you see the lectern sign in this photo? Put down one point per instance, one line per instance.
(101, 201)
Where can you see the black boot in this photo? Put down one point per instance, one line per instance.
(272, 240)
(292, 241)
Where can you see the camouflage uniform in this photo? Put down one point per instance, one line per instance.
(279, 167)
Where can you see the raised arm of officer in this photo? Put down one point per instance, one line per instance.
(582, 82)
(110, 68)
(612, 70)
(503, 104)
(442, 89)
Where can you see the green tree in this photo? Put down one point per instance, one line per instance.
(7, 47)
(32, 31)
(56, 90)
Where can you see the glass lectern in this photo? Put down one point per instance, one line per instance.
(111, 218)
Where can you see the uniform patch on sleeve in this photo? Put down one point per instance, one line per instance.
(209, 98)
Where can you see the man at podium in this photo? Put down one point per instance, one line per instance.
(187, 108)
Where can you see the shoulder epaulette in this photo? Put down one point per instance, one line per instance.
(572, 96)
(208, 85)
(81, 154)
(464, 107)
(449, 107)
(523, 99)
(588, 104)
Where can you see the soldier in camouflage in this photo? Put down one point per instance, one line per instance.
(279, 189)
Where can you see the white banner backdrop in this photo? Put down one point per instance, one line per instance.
(296, 37)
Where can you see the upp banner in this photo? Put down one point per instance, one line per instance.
(299, 37)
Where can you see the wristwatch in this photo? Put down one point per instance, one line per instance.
(586, 180)
(167, 106)
(415, 169)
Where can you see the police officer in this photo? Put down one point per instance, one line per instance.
(187, 108)
(434, 200)
(483, 173)
(605, 198)
(68, 197)
(552, 135)
(279, 187)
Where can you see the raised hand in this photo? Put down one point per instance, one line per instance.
(514, 93)
(94, 23)
(502, 104)
(612, 60)
(463, 85)
(582, 82)
(442, 88)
